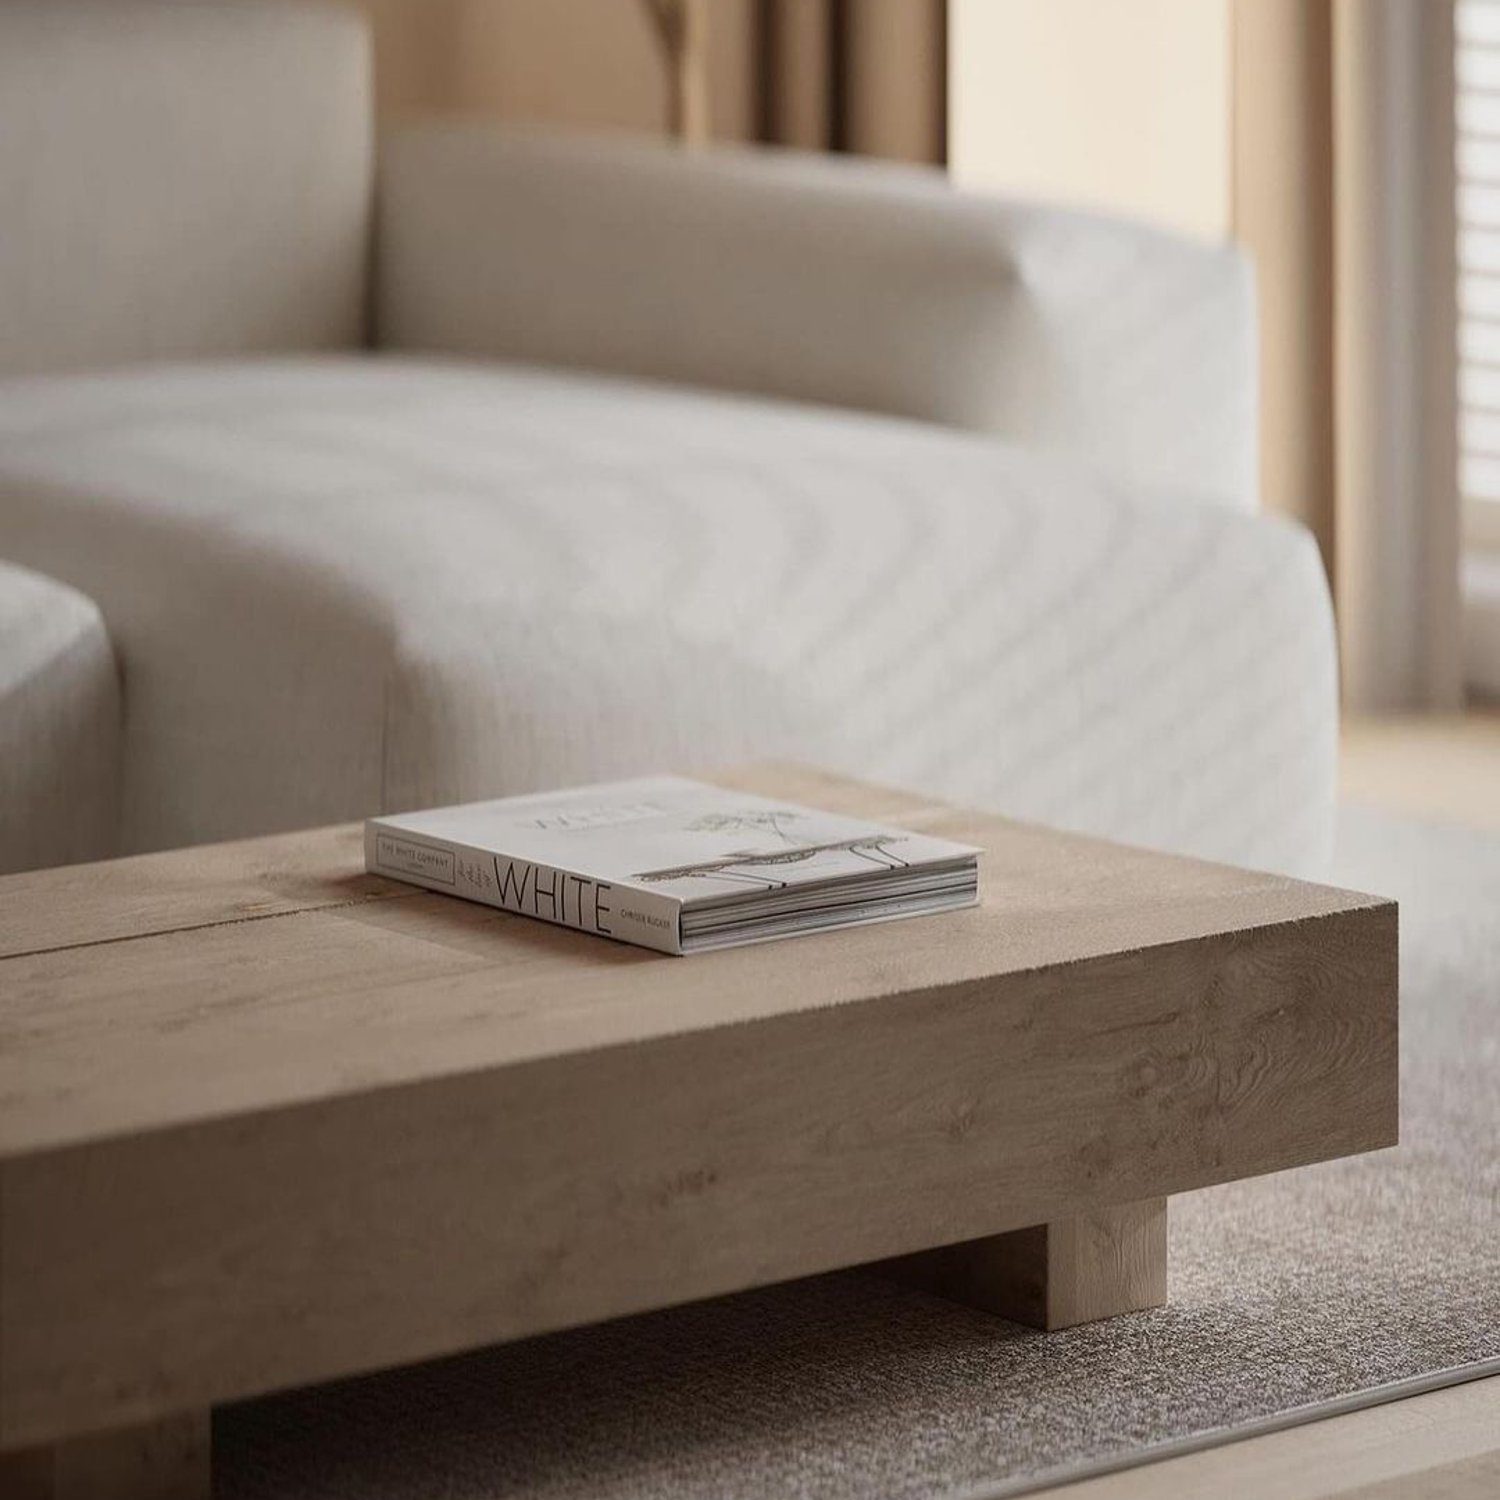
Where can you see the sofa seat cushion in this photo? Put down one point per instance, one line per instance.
(343, 585)
(59, 725)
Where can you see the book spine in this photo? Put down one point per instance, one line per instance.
(549, 894)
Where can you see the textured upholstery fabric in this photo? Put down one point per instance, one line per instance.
(59, 725)
(180, 180)
(342, 585)
(857, 284)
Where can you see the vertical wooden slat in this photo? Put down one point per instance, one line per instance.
(1282, 211)
(894, 79)
(797, 73)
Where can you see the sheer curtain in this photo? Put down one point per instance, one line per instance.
(1344, 193)
(1397, 512)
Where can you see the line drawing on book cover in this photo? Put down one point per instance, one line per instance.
(751, 866)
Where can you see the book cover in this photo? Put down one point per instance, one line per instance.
(672, 864)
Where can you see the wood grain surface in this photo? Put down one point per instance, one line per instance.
(170, 1459)
(283, 1122)
(1106, 1260)
(215, 885)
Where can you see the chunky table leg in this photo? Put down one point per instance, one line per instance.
(1093, 1265)
(165, 1460)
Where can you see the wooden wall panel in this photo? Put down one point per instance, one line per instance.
(590, 63)
(1282, 212)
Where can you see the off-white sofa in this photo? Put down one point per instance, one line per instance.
(484, 462)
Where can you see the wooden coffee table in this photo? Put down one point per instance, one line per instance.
(267, 1120)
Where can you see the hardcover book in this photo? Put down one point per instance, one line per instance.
(673, 864)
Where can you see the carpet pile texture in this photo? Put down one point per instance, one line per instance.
(1286, 1291)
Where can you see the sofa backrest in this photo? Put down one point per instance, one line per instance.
(180, 180)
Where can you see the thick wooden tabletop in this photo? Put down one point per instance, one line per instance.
(266, 1119)
(169, 988)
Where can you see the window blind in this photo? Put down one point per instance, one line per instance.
(1477, 102)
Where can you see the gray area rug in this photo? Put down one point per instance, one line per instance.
(1286, 1292)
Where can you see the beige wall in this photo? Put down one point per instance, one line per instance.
(1119, 104)
(1209, 116)
(591, 63)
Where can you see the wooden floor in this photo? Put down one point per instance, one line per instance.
(1445, 1444)
(1445, 768)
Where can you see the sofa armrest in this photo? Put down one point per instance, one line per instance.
(60, 727)
(826, 279)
